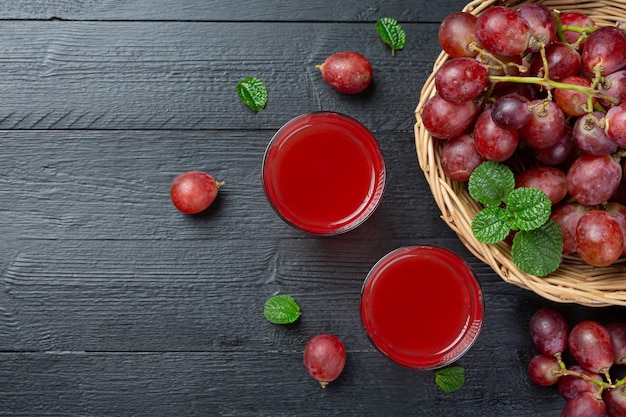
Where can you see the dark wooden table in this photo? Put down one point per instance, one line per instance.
(112, 303)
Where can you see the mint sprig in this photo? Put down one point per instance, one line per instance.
(253, 93)
(391, 33)
(450, 379)
(537, 244)
(281, 309)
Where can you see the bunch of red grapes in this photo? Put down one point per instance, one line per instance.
(549, 89)
(588, 386)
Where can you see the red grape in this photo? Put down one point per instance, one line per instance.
(599, 238)
(461, 79)
(617, 331)
(615, 400)
(545, 126)
(590, 137)
(618, 211)
(573, 103)
(616, 124)
(347, 72)
(548, 331)
(620, 194)
(445, 120)
(562, 153)
(324, 358)
(502, 31)
(550, 180)
(493, 142)
(590, 345)
(584, 404)
(614, 85)
(563, 61)
(542, 24)
(510, 111)
(577, 19)
(570, 386)
(566, 216)
(456, 33)
(194, 191)
(604, 50)
(459, 157)
(592, 179)
(543, 369)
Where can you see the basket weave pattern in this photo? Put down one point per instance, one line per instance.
(574, 281)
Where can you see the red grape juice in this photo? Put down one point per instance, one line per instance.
(422, 306)
(324, 173)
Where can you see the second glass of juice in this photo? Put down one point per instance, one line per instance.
(324, 173)
(422, 306)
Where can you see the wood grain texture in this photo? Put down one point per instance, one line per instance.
(213, 10)
(106, 185)
(208, 384)
(80, 75)
(112, 303)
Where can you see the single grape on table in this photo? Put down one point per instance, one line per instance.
(324, 358)
(194, 191)
(347, 72)
(549, 331)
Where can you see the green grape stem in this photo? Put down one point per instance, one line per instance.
(545, 81)
(551, 84)
(605, 384)
(561, 29)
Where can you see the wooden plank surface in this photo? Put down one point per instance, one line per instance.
(107, 185)
(214, 10)
(162, 75)
(112, 303)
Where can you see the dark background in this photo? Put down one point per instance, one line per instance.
(112, 303)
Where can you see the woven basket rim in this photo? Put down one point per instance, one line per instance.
(574, 281)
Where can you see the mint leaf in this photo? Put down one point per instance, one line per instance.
(491, 183)
(391, 33)
(281, 309)
(538, 244)
(538, 251)
(530, 207)
(450, 379)
(252, 92)
(491, 225)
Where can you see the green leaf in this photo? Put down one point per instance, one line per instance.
(252, 92)
(450, 379)
(491, 183)
(538, 251)
(391, 33)
(491, 225)
(281, 309)
(530, 208)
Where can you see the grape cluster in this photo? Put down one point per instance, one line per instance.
(587, 386)
(549, 89)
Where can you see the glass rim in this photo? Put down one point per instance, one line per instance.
(373, 202)
(463, 341)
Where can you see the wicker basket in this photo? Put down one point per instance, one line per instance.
(574, 281)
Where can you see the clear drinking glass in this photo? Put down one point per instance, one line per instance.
(324, 173)
(422, 306)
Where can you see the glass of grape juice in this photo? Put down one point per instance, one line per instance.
(324, 173)
(422, 306)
